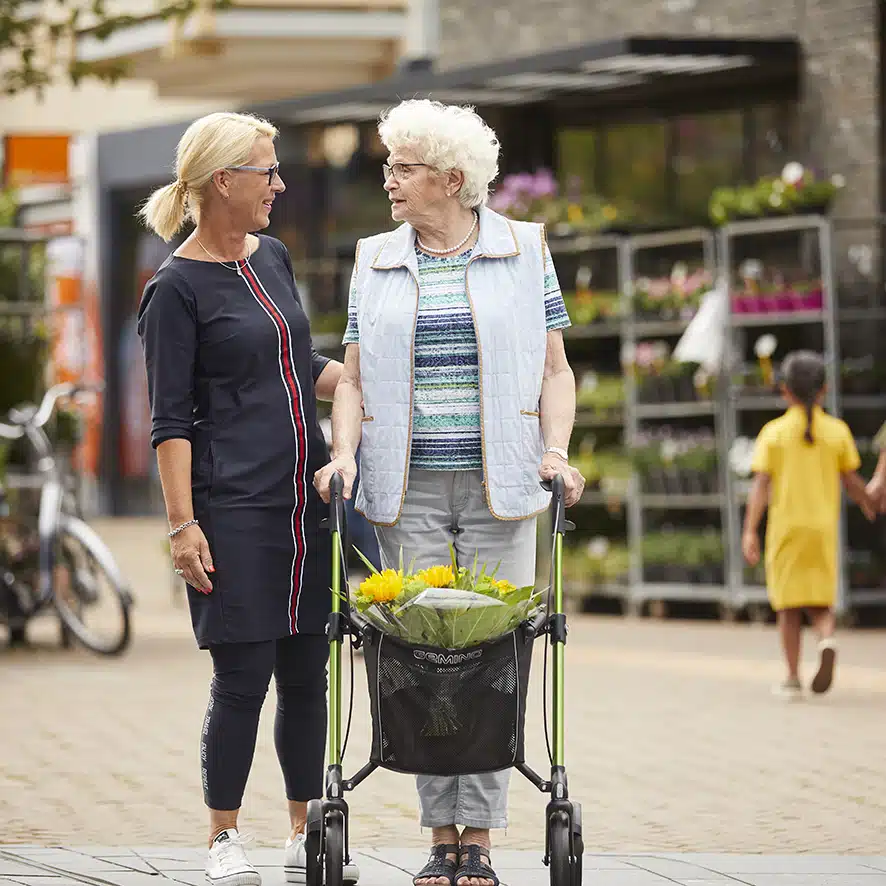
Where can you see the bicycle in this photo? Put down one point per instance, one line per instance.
(57, 560)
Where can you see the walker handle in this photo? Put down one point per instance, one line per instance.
(336, 503)
(558, 501)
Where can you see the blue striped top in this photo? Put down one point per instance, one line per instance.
(446, 407)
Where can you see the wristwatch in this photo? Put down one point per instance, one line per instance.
(558, 451)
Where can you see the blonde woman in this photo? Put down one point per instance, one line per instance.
(455, 346)
(233, 382)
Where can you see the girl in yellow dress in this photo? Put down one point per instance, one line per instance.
(799, 462)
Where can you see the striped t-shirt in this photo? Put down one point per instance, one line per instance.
(446, 408)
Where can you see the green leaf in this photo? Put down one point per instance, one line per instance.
(365, 560)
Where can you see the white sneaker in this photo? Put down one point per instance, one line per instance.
(226, 863)
(827, 659)
(790, 690)
(295, 861)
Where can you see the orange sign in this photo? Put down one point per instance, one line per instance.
(76, 338)
(35, 160)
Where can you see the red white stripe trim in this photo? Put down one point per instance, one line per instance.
(299, 428)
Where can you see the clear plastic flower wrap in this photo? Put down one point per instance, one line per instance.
(445, 606)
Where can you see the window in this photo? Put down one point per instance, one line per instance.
(577, 158)
(635, 166)
(775, 137)
(708, 154)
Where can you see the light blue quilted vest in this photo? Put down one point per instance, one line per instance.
(505, 280)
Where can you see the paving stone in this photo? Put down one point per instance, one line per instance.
(43, 881)
(775, 864)
(676, 868)
(812, 878)
(13, 868)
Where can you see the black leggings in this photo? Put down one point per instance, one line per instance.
(242, 673)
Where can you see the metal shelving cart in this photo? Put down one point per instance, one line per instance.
(583, 259)
(668, 248)
(808, 240)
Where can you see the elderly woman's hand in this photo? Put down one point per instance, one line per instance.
(344, 465)
(573, 482)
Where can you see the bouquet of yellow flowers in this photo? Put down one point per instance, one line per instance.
(449, 607)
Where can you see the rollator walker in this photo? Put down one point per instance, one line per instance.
(445, 711)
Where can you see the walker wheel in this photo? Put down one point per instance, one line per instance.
(314, 844)
(558, 850)
(334, 846)
(578, 845)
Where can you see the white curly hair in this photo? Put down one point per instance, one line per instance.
(446, 137)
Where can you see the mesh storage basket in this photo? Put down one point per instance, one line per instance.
(447, 711)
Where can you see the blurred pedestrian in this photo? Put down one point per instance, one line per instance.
(233, 382)
(455, 343)
(800, 460)
(877, 484)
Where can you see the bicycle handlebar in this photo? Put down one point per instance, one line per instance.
(26, 418)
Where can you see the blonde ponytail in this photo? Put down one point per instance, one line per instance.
(217, 141)
(166, 210)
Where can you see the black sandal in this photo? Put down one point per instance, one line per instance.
(474, 866)
(438, 864)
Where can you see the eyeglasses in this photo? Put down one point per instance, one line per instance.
(398, 170)
(269, 171)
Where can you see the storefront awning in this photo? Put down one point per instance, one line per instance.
(603, 73)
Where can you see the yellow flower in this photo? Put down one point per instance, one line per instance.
(382, 587)
(437, 576)
(504, 587)
(610, 213)
(574, 215)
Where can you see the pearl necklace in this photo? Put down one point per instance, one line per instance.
(451, 248)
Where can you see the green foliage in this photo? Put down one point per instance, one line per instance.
(597, 563)
(31, 44)
(684, 548)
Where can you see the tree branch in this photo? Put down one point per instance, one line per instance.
(35, 42)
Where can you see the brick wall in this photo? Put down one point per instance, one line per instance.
(839, 113)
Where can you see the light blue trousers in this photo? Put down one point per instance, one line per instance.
(444, 508)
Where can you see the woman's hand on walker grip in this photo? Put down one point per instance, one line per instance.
(344, 465)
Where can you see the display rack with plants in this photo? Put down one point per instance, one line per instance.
(684, 558)
(794, 248)
(597, 565)
(669, 462)
(672, 422)
(590, 270)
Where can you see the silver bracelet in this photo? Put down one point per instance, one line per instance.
(178, 529)
(558, 451)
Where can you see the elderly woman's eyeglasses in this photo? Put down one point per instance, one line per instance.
(269, 171)
(398, 170)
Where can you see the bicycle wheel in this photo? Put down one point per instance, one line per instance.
(89, 592)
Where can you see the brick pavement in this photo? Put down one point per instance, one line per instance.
(674, 743)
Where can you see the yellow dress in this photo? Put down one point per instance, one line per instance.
(804, 505)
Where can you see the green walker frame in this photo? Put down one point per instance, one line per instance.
(327, 841)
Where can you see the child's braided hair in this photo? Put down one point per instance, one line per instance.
(804, 377)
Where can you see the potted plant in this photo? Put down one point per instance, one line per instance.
(795, 190)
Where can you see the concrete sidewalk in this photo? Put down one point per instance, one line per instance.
(159, 866)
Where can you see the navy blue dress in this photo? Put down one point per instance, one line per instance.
(231, 368)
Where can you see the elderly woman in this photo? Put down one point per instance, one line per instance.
(233, 382)
(457, 383)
